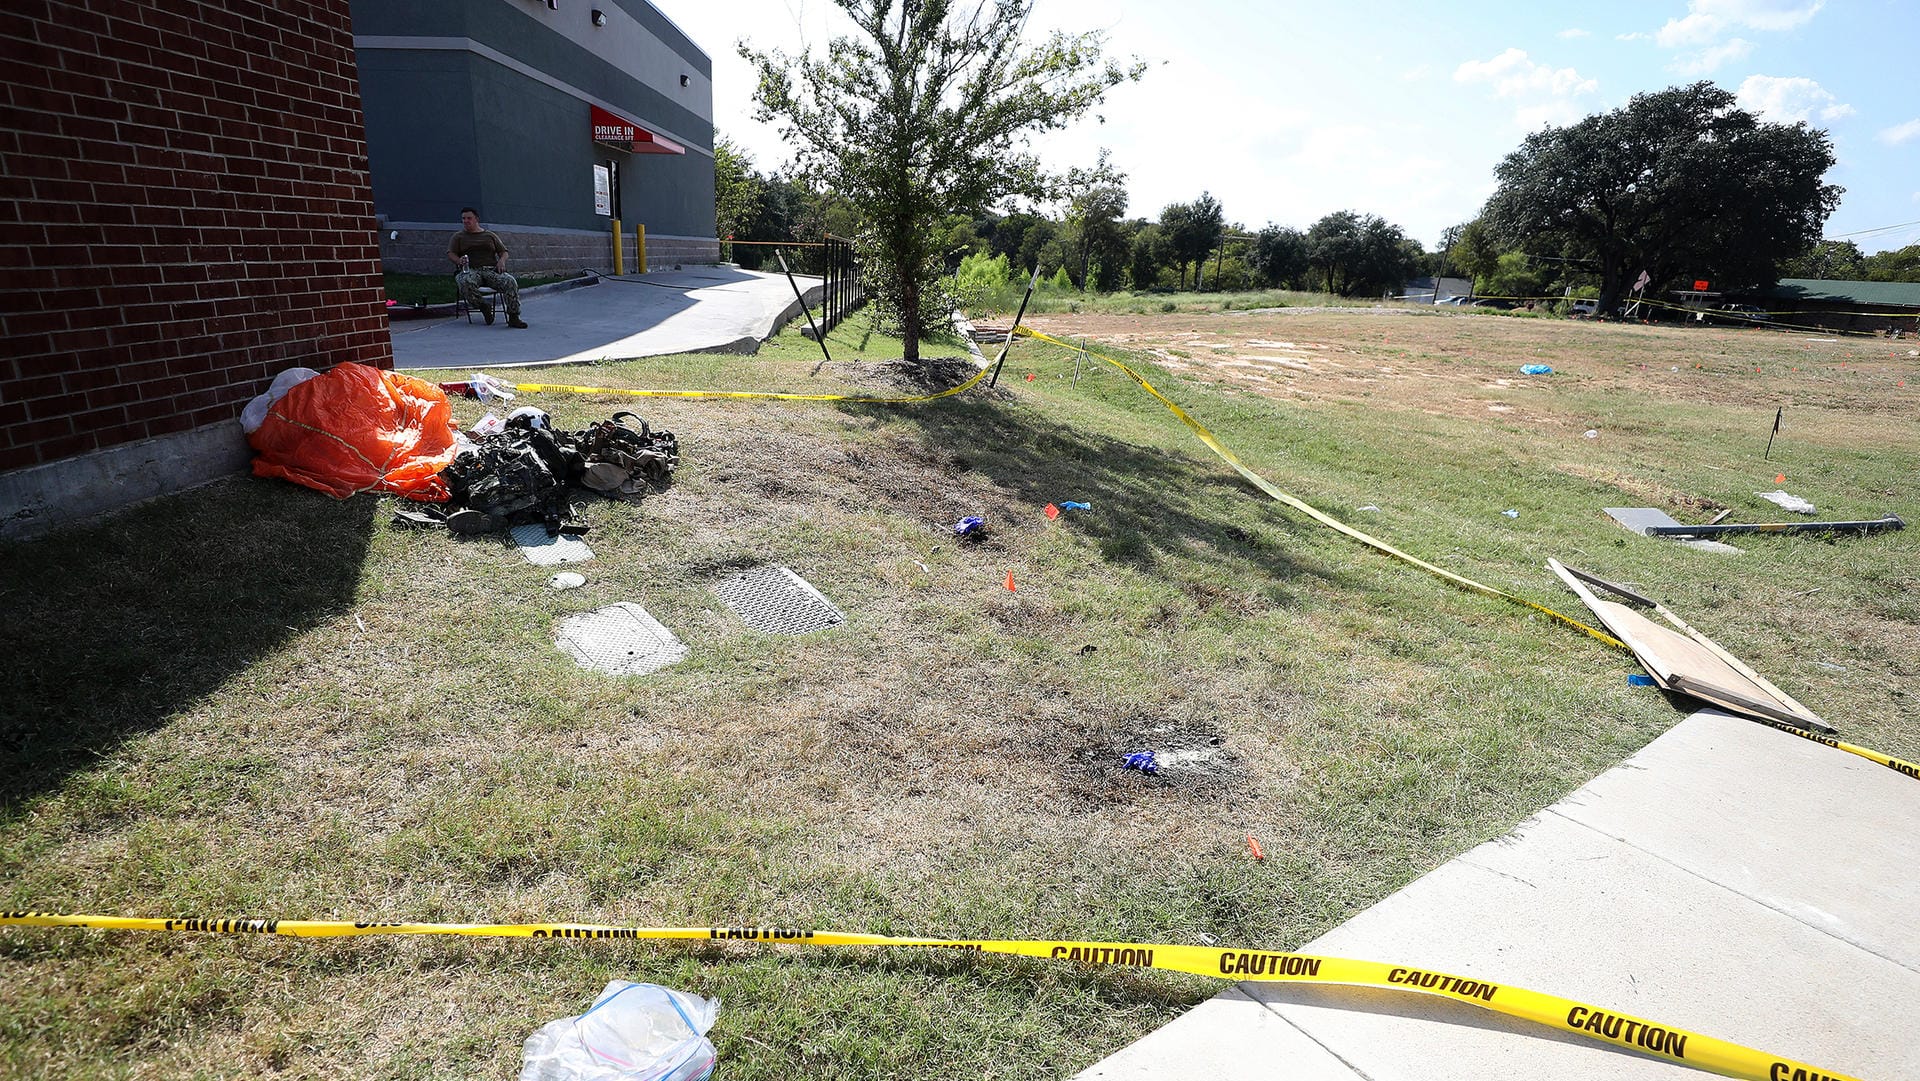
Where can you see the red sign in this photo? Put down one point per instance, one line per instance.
(623, 134)
(1701, 286)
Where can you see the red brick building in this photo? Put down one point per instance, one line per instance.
(185, 211)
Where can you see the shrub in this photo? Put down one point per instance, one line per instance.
(981, 279)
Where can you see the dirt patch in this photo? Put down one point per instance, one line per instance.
(1191, 761)
(931, 376)
(1651, 493)
(1468, 366)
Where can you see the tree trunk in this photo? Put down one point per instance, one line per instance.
(909, 319)
(1612, 283)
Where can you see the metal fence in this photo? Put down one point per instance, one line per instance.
(830, 259)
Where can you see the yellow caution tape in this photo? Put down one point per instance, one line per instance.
(1607, 1026)
(1327, 520)
(758, 395)
(1897, 765)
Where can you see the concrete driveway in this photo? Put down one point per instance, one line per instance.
(706, 309)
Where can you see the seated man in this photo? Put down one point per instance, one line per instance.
(482, 260)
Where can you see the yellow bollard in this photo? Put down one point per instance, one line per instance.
(640, 248)
(619, 263)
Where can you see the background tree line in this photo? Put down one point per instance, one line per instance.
(1086, 241)
(913, 136)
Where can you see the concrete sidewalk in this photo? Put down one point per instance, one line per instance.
(1729, 879)
(705, 309)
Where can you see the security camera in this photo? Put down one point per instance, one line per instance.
(684, 80)
(599, 17)
(395, 235)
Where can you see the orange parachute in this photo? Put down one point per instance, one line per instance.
(359, 429)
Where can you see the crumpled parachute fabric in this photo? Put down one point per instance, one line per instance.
(359, 429)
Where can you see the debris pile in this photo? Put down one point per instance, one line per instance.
(525, 473)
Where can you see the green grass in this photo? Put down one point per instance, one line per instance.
(403, 288)
(253, 700)
(1047, 300)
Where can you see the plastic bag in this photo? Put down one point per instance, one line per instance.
(255, 413)
(359, 429)
(634, 1032)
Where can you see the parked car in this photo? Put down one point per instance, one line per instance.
(1743, 313)
(1457, 302)
(1584, 308)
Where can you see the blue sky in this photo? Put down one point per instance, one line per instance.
(1289, 111)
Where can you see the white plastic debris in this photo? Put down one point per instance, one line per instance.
(567, 580)
(488, 389)
(255, 414)
(1593, 433)
(633, 1032)
(1787, 502)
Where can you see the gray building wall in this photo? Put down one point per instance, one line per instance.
(486, 103)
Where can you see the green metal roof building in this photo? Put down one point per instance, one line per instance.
(1871, 307)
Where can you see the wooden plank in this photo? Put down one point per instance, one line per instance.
(1793, 704)
(1683, 663)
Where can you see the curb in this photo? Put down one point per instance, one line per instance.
(450, 308)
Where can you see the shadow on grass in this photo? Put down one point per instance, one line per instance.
(1147, 502)
(116, 626)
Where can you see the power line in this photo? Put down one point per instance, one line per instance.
(1879, 229)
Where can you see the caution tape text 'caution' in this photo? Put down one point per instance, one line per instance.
(1579, 1018)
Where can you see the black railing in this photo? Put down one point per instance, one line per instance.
(831, 259)
(841, 277)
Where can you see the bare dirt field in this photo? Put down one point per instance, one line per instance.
(1467, 365)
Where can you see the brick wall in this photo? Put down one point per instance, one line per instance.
(185, 211)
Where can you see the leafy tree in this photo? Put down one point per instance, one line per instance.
(1148, 252)
(1476, 252)
(1833, 259)
(1192, 230)
(1900, 265)
(1278, 256)
(1360, 254)
(1515, 275)
(1678, 181)
(1096, 198)
(1010, 233)
(736, 188)
(928, 111)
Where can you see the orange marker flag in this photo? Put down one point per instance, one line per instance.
(1029, 377)
(1053, 511)
(1780, 479)
(1255, 846)
(1010, 588)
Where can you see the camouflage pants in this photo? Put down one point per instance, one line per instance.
(473, 278)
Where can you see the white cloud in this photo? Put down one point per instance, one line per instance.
(1696, 29)
(1789, 99)
(1706, 20)
(1513, 75)
(1574, 32)
(1636, 35)
(1709, 60)
(1900, 133)
(1419, 72)
(1541, 94)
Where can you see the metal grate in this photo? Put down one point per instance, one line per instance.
(621, 640)
(549, 551)
(774, 600)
